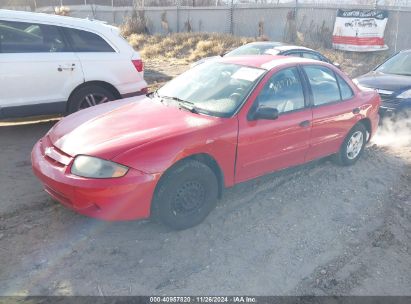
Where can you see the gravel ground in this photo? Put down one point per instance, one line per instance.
(316, 229)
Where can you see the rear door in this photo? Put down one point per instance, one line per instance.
(334, 110)
(38, 70)
(268, 145)
(102, 60)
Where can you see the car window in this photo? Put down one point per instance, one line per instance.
(254, 49)
(324, 86)
(346, 91)
(213, 87)
(83, 41)
(23, 37)
(283, 91)
(311, 56)
(294, 54)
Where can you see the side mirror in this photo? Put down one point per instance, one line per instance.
(264, 113)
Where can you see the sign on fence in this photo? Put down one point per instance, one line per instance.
(360, 30)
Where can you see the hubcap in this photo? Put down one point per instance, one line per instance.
(189, 198)
(355, 144)
(92, 100)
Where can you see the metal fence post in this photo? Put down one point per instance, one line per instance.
(232, 17)
(178, 16)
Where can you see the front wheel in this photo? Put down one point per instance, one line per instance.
(186, 195)
(353, 146)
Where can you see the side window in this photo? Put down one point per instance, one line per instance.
(283, 91)
(84, 41)
(346, 91)
(23, 37)
(311, 56)
(323, 84)
(293, 54)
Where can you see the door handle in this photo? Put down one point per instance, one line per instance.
(356, 110)
(67, 67)
(305, 123)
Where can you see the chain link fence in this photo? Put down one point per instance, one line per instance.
(196, 3)
(306, 21)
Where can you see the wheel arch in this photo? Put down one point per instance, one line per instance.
(366, 122)
(207, 160)
(100, 83)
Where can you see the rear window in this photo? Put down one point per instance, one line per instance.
(83, 41)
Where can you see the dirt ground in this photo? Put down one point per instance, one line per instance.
(317, 229)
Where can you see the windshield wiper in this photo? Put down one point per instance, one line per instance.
(153, 94)
(183, 104)
(189, 106)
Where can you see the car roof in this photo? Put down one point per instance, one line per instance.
(266, 62)
(23, 16)
(283, 48)
(267, 43)
(280, 46)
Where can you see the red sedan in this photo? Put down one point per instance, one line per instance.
(171, 154)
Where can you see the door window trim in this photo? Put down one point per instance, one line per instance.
(336, 79)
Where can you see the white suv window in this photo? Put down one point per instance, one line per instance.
(24, 37)
(83, 41)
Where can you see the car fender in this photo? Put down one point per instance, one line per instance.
(219, 142)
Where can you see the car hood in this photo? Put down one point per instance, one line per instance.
(115, 127)
(389, 82)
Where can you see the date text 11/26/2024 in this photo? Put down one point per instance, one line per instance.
(206, 299)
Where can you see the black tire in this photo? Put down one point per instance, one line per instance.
(185, 195)
(343, 157)
(78, 100)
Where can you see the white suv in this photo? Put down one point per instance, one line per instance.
(56, 65)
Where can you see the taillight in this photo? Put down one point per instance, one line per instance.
(138, 64)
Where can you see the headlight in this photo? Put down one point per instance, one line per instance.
(405, 94)
(93, 167)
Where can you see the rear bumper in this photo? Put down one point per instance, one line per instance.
(115, 199)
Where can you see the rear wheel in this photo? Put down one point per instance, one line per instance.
(353, 145)
(186, 195)
(89, 96)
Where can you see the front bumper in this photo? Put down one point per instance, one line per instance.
(114, 199)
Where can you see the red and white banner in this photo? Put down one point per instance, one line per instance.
(360, 30)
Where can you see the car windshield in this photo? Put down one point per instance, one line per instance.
(253, 49)
(399, 64)
(212, 88)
